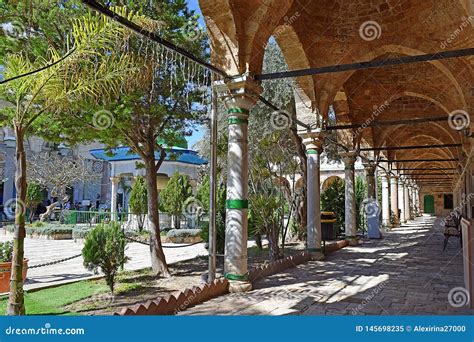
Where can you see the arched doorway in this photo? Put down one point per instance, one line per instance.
(428, 204)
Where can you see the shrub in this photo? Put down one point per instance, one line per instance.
(6, 251)
(104, 249)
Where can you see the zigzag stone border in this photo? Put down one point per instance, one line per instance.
(180, 300)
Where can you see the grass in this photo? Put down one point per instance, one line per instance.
(55, 299)
(58, 300)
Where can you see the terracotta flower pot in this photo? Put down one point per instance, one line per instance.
(5, 274)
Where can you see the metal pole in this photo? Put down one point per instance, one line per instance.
(213, 190)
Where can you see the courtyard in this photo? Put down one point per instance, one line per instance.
(237, 157)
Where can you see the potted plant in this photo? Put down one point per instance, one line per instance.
(6, 253)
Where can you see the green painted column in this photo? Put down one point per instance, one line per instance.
(240, 96)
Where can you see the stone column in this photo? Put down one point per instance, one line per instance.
(313, 141)
(413, 201)
(385, 200)
(406, 199)
(370, 178)
(350, 204)
(113, 197)
(239, 95)
(394, 200)
(401, 200)
(416, 200)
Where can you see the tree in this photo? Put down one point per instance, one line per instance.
(34, 196)
(138, 201)
(57, 173)
(203, 195)
(81, 77)
(34, 26)
(270, 194)
(176, 192)
(158, 103)
(104, 248)
(333, 199)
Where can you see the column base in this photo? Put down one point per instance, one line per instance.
(353, 240)
(316, 254)
(236, 286)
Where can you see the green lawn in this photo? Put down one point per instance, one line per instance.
(54, 300)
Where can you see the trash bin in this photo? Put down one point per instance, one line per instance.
(328, 218)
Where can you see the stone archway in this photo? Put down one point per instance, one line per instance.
(330, 180)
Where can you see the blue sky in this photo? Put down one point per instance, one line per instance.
(199, 132)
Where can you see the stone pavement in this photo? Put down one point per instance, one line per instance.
(407, 272)
(40, 251)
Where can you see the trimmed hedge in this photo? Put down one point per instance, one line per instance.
(47, 229)
(80, 232)
(182, 233)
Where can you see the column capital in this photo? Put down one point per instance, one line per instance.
(348, 157)
(313, 140)
(394, 178)
(370, 167)
(239, 94)
(115, 179)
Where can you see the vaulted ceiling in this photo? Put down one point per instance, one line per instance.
(313, 33)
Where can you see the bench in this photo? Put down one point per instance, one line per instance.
(452, 227)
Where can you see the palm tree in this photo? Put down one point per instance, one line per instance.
(90, 72)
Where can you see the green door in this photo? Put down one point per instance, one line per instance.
(429, 204)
